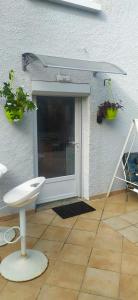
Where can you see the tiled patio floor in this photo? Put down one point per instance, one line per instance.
(88, 260)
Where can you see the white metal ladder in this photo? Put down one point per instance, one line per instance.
(133, 126)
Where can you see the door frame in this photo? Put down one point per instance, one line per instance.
(78, 137)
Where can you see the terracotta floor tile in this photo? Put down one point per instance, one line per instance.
(105, 259)
(75, 254)
(115, 207)
(54, 233)
(118, 198)
(34, 230)
(128, 287)
(132, 197)
(132, 203)
(80, 237)
(113, 210)
(84, 296)
(129, 247)
(67, 275)
(3, 283)
(129, 264)
(109, 241)
(117, 223)
(86, 224)
(37, 282)
(101, 282)
(20, 291)
(105, 229)
(64, 222)
(48, 211)
(41, 217)
(110, 214)
(10, 222)
(41, 280)
(131, 207)
(98, 203)
(131, 233)
(50, 248)
(53, 293)
(131, 217)
(96, 215)
(136, 244)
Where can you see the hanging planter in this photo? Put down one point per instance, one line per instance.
(17, 101)
(111, 113)
(13, 116)
(109, 109)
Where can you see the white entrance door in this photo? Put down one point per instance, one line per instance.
(59, 146)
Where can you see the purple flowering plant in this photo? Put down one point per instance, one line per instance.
(102, 109)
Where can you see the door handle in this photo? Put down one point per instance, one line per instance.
(73, 143)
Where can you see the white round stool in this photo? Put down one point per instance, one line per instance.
(25, 264)
(11, 233)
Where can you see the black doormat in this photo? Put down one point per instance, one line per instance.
(73, 209)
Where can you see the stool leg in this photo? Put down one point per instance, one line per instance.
(22, 215)
(24, 264)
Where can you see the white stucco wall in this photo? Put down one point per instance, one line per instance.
(42, 27)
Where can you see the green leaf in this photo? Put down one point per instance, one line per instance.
(16, 100)
(11, 75)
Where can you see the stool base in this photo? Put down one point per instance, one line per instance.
(10, 235)
(15, 267)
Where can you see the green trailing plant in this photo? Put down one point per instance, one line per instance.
(17, 101)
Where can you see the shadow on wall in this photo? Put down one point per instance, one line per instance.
(101, 16)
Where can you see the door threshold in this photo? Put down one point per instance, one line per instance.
(52, 204)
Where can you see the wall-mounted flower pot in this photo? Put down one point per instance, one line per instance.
(111, 114)
(17, 101)
(13, 116)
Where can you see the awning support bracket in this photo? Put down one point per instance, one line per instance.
(28, 58)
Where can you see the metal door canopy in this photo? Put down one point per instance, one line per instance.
(71, 64)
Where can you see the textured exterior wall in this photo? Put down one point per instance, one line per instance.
(42, 27)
